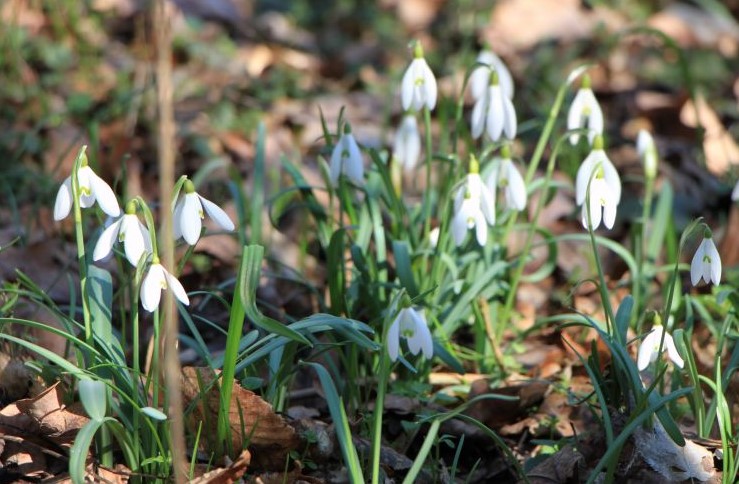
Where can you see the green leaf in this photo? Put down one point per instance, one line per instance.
(623, 316)
(80, 449)
(152, 412)
(403, 267)
(94, 397)
(249, 276)
(341, 423)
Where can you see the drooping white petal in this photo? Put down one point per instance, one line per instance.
(613, 180)
(648, 349)
(609, 214)
(583, 111)
(132, 236)
(174, 285)
(334, 167)
(459, 227)
(496, 113)
(152, 286)
(63, 202)
(407, 145)
(104, 195)
(191, 218)
(479, 114)
(353, 165)
(104, 245)
(393, 338)
(418, 87)
(84, 176)
(217, 214)
(595, 210)
(515, 191)
(715, 259)
(176, 219)
(706, 263)
(480, 77)
(672, 351)
(481, 228)
(585, 172)
(510, 124)
(423, 333)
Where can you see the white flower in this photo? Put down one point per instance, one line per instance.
(735, 192)
(505, 175)
(411, 325)
(418, 88)
(494, 112)
(156, 280)
(434, 237)
(346, 159)
(597, 158)
(650, 346)
(480, 77)
(474, 207)
(92, 188)
(647, 152)
(407, 147)
(706, 263)
(585, 112)
(187, 220)
(129, 230)
(601, 198)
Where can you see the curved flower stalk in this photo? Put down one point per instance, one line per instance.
(411, 325)
(187, 220)
(648, 351)
(706, 263)
(494, 113)
(156, 280)
(505, 175)
(474, 207)
(585, 112)
(418, 88)
(407, 145)
(480, 77)
(605, 187)
(346, 159)
(92, 189)
(127, 230)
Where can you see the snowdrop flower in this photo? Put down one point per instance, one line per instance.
(706, 262)
(602, 199)
(92, 189)
(434, 237)
(128, 230)
(506, 175)
(605, 187)
(650, 346)
(474, 207)
(346, 159)
(585, 112)
(418, 88)
(156, 280)
(411, 325)
(407, 146)
(187, 221)
(480, 77)
(647, 152)
(494, 112)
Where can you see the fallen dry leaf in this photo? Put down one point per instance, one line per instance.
(495, 413)
(55, 420)
(226, 475)
(253, 422)
(720, 149)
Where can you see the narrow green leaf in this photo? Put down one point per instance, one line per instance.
(94, 397)
(341, 423)
(403, 267)
(80, 449)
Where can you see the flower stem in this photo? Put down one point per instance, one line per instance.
(80, 239)
(377, 418)
(426, 212)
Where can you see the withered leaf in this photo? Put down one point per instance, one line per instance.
(254, 424)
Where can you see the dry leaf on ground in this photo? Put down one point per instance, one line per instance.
(254, 424)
